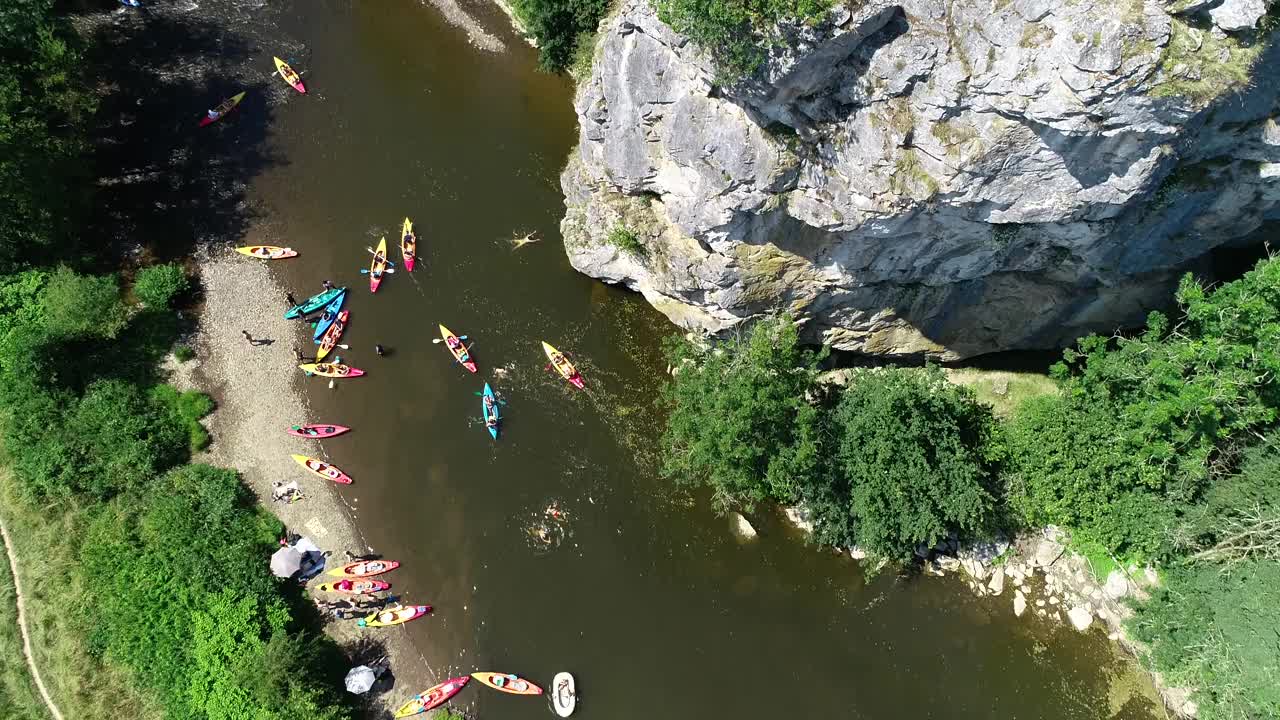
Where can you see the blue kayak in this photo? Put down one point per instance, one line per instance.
(485, 402)
(330, 316)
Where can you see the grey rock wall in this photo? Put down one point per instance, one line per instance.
(926, 177)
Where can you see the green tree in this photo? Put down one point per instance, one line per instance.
(741, 419)
(560, 26)
(79, 306)
(1141, 425)
(914, 459)
(43, 109)
(158, 285)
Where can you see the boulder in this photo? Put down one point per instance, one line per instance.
(973, 568)
(996, 586)
(799, 517)
(1116, 586)
(857, 553)
(1046, 552)
(741, 528)
(1019, 603)
(1080, 617)
(1237, 15)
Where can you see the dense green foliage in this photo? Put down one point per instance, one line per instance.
(740, 420)
(914, 459)
(217, 644)
(562, 27)
(738, 33)
(1213, 624)
(159, 285)
(163, 565)
(1133, 438)
(42, 111)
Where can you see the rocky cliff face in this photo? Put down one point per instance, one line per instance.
(940, 177)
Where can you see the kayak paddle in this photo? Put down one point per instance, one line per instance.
(373, 252)
(440, 340)
(365, 271)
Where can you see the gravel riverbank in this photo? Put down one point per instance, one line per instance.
(258, 395)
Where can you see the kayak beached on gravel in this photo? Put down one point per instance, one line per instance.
(328, 316)
(365, 568)
(332, 335)
(317, 431)
(434, 697)
(314, 303)
(355, 587)
(331, 370)
(322, 469)
(267, 252)
(394, 616)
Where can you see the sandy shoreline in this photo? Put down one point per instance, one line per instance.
(256, 389)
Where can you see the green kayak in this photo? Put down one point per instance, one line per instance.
(314, 303)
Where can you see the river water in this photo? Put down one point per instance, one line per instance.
(644, 594)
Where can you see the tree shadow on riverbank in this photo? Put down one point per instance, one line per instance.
(166, 185)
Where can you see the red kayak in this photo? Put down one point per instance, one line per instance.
(317, 431)
(355, 587)
(434, 697)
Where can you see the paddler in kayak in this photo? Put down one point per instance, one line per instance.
(490, 411)
(559, 361)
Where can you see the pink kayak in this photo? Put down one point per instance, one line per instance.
(317, 431)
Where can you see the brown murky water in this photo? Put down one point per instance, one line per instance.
(643, 593)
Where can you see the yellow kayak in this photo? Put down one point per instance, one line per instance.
(378, 265)
(562, 365)
(332, 370)
(408, 245)
(289, 75)
(267, 252)
(394, 616)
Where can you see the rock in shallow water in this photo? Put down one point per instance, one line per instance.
(916, 180)
(742, 529)
(1080, 617)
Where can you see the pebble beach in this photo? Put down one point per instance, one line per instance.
(258, 395)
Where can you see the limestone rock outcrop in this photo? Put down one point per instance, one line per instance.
(928, 177)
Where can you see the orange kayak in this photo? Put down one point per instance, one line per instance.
(507, 683)
(331, 336)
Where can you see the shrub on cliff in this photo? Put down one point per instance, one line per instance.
(737, 33)
(1143, 424)
(741, 421)
(158, 285)
(560, 27)
(914, 459)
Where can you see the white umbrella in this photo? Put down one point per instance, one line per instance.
(360, 679)
(285, 562)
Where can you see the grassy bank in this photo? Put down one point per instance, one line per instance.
(44, 540)
(19, 699)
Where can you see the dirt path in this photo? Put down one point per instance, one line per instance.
(22, 625)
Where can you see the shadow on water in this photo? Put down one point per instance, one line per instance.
(166, 185)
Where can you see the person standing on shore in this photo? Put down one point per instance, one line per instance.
(247, 336)
(297, 353)
(327, 285)
(289, 298)
(378, 349)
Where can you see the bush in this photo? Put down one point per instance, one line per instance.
(82, 306)
(560, 27)
(740, 419)
(1139, 430)
(626, 241)
(1216, 631)
(158, 285)
(112, 439)
(914, 459)
(737, 33)
(188, 407)
(183, 353)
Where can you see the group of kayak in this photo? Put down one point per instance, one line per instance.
(359, 578)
